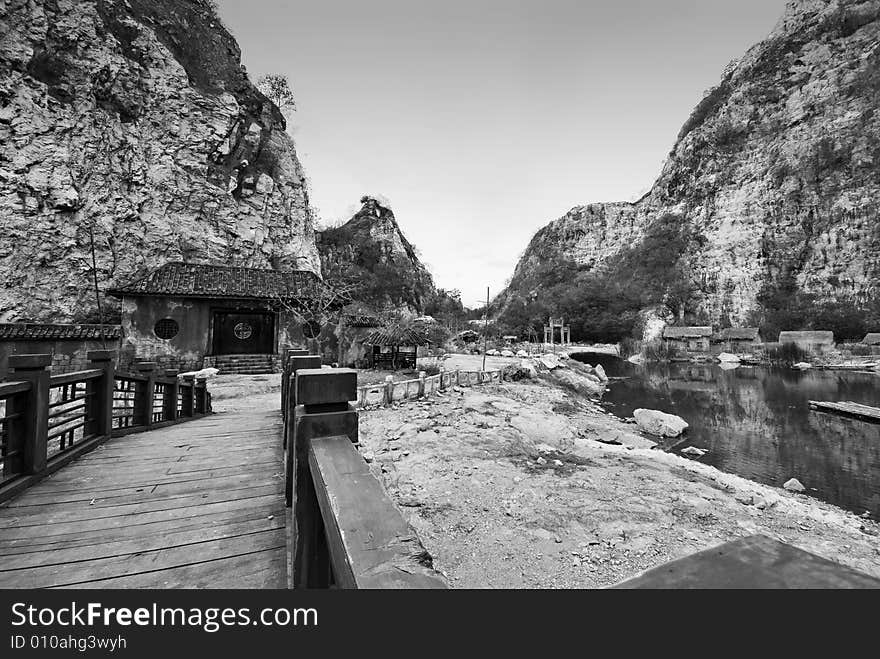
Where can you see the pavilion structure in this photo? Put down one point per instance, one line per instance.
(550, 331)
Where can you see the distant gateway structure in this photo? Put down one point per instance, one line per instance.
(564, 331)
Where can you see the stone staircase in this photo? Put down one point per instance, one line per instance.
(244, 364)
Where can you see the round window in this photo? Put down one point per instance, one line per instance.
(311, 329)
(167, 328)
(243, 331)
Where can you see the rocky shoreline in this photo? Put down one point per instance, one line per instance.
(531, 484)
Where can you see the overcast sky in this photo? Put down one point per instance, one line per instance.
(482, 120)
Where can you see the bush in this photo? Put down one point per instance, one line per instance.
(659, 351)
(787, 354)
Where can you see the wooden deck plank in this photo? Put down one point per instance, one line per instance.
(199, 504)
(148, 560)
(846, 408)
(139, 530)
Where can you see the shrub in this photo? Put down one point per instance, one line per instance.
(787, 354)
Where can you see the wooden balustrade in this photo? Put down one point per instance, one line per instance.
(345, 531)
(48, 420)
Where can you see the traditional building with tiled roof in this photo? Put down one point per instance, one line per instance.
(193, 315)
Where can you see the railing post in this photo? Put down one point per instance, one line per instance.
(388, 394)
(287, 372)
(421, 392)
(100, 405)
(323, 410)
(294, 364)
(457, 377)
(188, 389)
(199, 393)
(442, 379)
(34, 408)
(171, 391)
(144, 398)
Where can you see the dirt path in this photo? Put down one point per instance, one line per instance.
(509, 486)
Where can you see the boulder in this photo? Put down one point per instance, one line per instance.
(694, 451)
(794, 485)
(659, 423)
(508, 353)
(726, 357)
(522, 353)
(600, 372)
(550, 361)
(636, 359)
(493, 353)
(802, 366)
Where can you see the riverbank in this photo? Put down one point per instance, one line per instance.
(512, 486)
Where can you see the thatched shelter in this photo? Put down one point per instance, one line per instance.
(394, 347)
(738, 338)
(872, 339)
(694, 339)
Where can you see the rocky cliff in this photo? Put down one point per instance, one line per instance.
(133, 120)
(371, 253)
(776, 173)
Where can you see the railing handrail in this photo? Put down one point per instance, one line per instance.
(346, 531)
(14, 387)
(75, 376)
(50, 420)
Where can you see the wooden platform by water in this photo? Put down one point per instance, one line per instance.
(855, 410)
(198, 505)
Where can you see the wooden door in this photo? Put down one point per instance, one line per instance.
(238, 333)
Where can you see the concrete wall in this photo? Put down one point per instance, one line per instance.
(184, 351)
(67, 355)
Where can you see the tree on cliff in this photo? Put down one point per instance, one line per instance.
(277, 88)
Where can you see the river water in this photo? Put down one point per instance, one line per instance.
(756, 422)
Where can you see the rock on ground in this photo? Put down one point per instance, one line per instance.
(659, 423)
(794, 485)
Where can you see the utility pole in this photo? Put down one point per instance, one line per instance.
(485, 328)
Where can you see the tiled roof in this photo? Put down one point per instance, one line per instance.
(51, 332)
(201, 280)
(396, 336)
(811, 336)
(686, 332)
(739, 333)
(872, 338)
(353, 320)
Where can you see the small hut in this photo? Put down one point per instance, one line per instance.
(872, 339)
(394, 347)
(693, 339)
(739, 338)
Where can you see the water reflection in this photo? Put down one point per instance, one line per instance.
(756, 422)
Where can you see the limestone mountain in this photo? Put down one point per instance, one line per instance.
(134, 121)
(370, 252)
(766, 208)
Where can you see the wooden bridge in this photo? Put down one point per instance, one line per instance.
(255, 499)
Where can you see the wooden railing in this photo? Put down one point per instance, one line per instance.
(48, 420)
(345, 532)
(390, 391)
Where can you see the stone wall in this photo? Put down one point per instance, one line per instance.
(67, 356)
